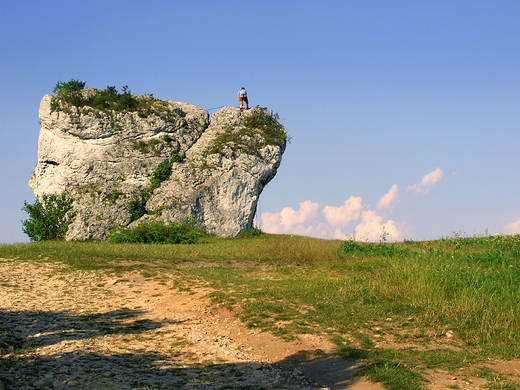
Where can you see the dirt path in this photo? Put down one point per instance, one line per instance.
(66, 329)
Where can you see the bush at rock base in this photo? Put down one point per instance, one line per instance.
(156, 232)
(49, 219)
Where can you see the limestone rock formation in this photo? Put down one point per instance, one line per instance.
(168, 162)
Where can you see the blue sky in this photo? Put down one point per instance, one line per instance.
(403, 114)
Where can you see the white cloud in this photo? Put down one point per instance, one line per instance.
(320, 230)
(351, 217)
(304, 222)
(271, 222)
(338, 234)
(350, 211)
(372, 228)
(389, 199)
(513, 227)
(290, 220)
(427, 182)
(308, 211)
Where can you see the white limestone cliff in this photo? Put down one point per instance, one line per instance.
(105, 162)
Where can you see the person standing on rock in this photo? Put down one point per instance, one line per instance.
(242, 98)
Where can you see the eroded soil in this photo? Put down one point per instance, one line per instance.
(67, 329)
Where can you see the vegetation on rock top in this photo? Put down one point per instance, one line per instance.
(254, 130)
(109, 101)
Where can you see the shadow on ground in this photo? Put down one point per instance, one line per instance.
(81, 369)
(20, 330)
(325, 370)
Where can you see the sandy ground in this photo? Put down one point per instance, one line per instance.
(68, 329)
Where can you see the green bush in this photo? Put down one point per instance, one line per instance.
(137, 207)
(253, 232)
(161, 173)
(109, 101)
(267, 123)
(242, 136)
(126, 101)
(371, 249)
(156, 232)
(68, 93)
(49, 219)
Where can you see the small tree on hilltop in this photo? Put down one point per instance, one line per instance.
(49, 219)
(68, 93)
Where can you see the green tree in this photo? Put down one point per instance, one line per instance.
(69, 93)
(49, 219)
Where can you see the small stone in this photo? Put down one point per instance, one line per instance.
(296, 372)
(45, 381)
(255, 366)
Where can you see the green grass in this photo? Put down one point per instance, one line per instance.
(251, 133)
(451, 302)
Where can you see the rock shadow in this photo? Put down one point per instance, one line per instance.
(22, 330)
(85, 369)
(326, 370)
(82, 370)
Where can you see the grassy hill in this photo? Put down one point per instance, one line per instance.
(402, 307)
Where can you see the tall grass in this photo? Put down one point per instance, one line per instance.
(450, 301)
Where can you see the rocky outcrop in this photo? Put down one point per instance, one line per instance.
(171, 164)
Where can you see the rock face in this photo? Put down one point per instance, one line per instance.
(122, 168)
